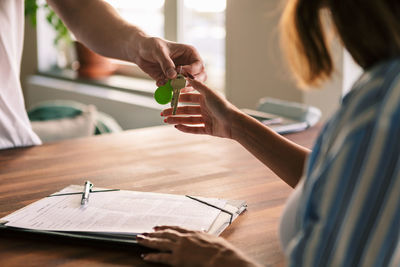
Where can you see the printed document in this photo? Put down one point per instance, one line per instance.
(120, 212)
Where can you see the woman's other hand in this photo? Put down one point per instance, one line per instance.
(180, 247)
(212, 114)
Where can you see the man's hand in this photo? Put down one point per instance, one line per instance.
(161, 59)
(180, 247)
(97, 25)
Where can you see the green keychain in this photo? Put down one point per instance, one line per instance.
(163, 94)
(170, 92)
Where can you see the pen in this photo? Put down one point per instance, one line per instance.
(80, 193)
(86, 191)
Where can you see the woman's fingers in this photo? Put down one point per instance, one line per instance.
(175, 228)
(191, 129)
(184, 120)
(165, 258)
(187, 89)
(190, 98)
(199, 86)
(168, 234)
(185, 110)
(156, 243)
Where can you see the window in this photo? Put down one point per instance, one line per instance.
(148, 14)
(200, 23)
(204, 27)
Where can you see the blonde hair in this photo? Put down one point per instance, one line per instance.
(369, 29)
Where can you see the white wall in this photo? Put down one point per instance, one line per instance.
(328, 97)
(255, 65)
(253, 59)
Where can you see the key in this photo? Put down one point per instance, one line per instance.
(177, 84)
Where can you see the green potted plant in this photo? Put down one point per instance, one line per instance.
(91, 65)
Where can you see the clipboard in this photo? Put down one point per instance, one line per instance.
(232, 208)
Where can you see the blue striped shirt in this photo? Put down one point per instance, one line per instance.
(349, 209)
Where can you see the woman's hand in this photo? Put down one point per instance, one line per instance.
(212, 114)
(180, 247)
(160, 58)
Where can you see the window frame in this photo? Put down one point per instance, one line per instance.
(173, 31)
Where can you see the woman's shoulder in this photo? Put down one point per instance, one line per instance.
(376, 84)
(375, 95)
(372, 106)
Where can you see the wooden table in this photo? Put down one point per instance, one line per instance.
(157, 159)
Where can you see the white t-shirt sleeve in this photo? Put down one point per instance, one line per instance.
(15, 128)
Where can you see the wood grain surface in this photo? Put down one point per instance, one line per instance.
(157, 159)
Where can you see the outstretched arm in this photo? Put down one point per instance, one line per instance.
(216, 116)
(96, 24)
(284, 157)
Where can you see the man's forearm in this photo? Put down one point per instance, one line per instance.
(281, 155)
(96, 24)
